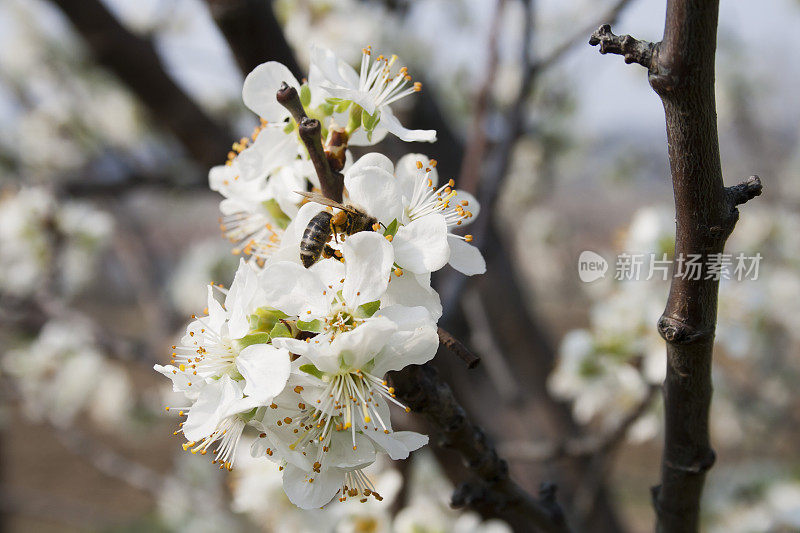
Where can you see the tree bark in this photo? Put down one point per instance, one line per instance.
(681, 71)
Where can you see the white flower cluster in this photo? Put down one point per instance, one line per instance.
(333, 295)
(37, 232)
(424, 506)
(63, 373)
(606, 368)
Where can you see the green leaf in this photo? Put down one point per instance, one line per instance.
(392, 228)
(277, 214)
(314, 326)
(280, 330)
(289, 127)
(305, 94)
(254, 338)
(311, 369)
(368, 309)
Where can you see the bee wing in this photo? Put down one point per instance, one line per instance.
(324, 200)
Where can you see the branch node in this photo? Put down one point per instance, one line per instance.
(700, 465)
(633, 50)
(675, 331)
(745, 191)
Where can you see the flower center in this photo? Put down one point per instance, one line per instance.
(208, 354)
(384, 86)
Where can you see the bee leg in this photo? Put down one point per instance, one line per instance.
(329, 252)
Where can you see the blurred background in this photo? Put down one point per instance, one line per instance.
(111, 114)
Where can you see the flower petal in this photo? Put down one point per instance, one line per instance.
(421, 246)
(261, 86)
(343, 455)
(272, 149)
(415, 342)
(294, 290)
(374, 190)
(265, 370)
(413, 290)
(393, 126)
(368, 260)
(372, 159)
(398, 444)
(308, 494)
(464, 257)
(207, 412)
(357, 347)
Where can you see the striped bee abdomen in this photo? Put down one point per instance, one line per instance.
(314, 238)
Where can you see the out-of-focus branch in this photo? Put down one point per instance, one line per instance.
(482, 338)
(476, 143)
(253, 33)
(681, 71)
(554, 55)
(135, 61)
(580, 447)
(421, 388)
(457, 347)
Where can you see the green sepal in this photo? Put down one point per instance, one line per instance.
(333, 100)
(311, 369)
(368, 309)
(354, 122)
(254, 338)
(314, 326)
(281, 330)
(392, 228)
(305, 95)
(264, 319)
(369, 122)
(326, 109)
(277, 214)
(289, 127)
(341, 107)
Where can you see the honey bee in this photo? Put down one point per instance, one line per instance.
(324, 226)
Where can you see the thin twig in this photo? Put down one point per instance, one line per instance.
(457, 347)
(482, 337)
(476, 143)
(578, 37)
(580, 447)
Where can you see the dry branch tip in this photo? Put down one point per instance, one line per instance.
(633, 50)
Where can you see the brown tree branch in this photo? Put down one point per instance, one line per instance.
(421, 388)
(135, 61)
(681, 71)
(310, 130)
